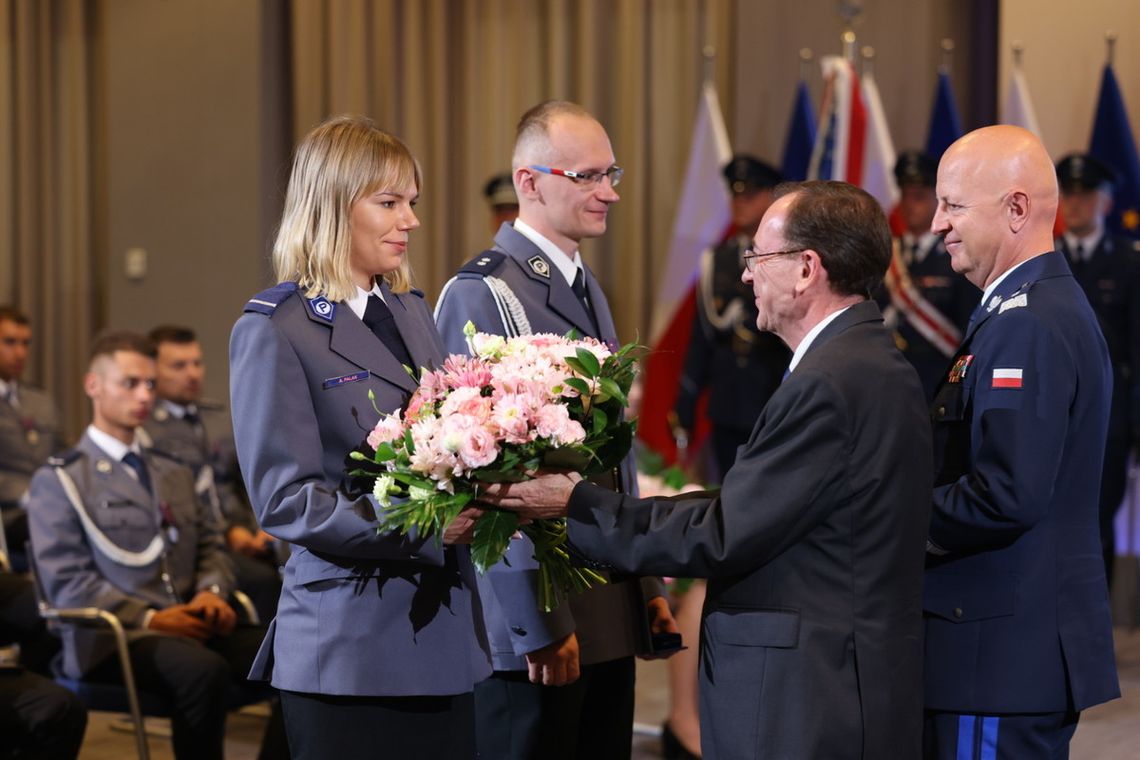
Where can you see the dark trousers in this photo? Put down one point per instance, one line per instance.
(1034, 736)
(194, 677)
(38, 718)
(591, 718)
(402, 728)
(261, 581)
(20, 622)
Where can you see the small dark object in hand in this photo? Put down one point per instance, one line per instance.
(666, 642)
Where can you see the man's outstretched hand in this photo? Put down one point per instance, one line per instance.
(541, 498)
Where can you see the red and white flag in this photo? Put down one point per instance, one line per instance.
(840, 140)
(878, 149)
(1017, 109)
(1006, 378)
(703, 218)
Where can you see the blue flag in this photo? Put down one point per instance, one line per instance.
(945, 124)
(801, 137)
(1113, 144)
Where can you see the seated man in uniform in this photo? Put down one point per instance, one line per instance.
(121, 528)
(29, 429)
(199, 432)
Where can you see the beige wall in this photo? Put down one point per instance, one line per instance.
(1064, 55)
(905, 35)
(193, 137)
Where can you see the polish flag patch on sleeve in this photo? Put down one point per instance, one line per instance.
(1007, 378)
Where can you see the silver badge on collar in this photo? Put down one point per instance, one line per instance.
(103, 466)
(539, 266)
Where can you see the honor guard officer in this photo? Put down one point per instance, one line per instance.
(739, 363)
(533, 281)
(199, 432)
(120, 527)
(1018, 638)
(1107, 267)
(29, 429)
(925, 303)
(500, 194)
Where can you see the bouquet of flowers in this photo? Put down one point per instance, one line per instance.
(514, 406)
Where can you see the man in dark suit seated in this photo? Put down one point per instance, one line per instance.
(38, 718)
(119, 527)
(1018, 636)
(811, 639)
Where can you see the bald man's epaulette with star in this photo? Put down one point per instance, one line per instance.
(267, 301)
(483, 264)
(64, 458)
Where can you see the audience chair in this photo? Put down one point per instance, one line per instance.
(126, 697)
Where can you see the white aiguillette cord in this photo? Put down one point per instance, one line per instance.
(107, 547)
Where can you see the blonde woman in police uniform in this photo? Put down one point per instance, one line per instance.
(378, 640)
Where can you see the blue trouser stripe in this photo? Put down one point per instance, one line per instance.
(989, 738)
(965, 737)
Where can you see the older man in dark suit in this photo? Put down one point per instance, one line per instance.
(811, 638)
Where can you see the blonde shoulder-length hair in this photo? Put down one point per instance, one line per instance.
(341, 161)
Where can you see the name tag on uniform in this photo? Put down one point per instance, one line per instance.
(333, 382)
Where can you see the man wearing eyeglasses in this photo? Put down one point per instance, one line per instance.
(811, 637)
(740, 364)
(563, 681)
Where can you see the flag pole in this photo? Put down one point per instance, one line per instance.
(868, 60)
(1018, 49)
(947, 56)
(708, 56)
(850, 10)
(805, 63)
(1110, 42)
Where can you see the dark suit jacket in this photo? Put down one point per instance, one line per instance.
(609, 620)
(811, 639)
(361, 613)
(1017, 613)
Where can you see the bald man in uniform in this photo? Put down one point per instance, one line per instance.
(1018, 636)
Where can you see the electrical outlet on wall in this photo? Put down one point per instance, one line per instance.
(136, 263)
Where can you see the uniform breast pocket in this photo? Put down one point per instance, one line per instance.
(125, 523)
(950, 403)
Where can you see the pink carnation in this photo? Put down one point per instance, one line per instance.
(478, 448)
(465, 372)
(511, 416)
(467, 401)
(388, 429)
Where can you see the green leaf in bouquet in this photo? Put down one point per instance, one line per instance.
(487, 475)
(567, 458)
(601, 419)
(573, 363)
(385, 452)
(589, 362)
(409, 444)
(493, 533)
(613, 390)
(411, 480)
(612, 453)
(579, 385)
